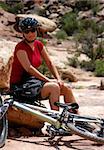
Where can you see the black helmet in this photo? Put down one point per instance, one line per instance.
(28, 23)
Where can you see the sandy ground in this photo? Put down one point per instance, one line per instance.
(59, 143)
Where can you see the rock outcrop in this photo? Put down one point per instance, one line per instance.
(46, 24)
(21, 118)
(6, 58)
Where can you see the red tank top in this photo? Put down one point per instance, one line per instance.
(34, 57)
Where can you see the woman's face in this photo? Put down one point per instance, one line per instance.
(30, 35)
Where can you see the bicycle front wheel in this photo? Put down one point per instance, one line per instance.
(93, 136)
(3, 129)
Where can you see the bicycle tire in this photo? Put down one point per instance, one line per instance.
(86, 135)
(3, 129)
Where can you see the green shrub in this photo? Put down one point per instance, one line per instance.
(16, 8)
(69, 23)
(43, 40)
(99, 52)
(4, 6)
(12, 9)
(88, 65)
(99, 68)
(87, 38)
(86, 5)
(61, 35)
(95, 8)
(101, 27)
(43, 69)
(87, 24)
(73, 62)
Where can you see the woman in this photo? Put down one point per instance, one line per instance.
(27, 58)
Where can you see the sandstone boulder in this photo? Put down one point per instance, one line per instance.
(6, 58)
(21, 118)
(46, 24)
(68, 75)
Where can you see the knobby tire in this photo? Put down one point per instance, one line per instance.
(85, 134)
(3, 129)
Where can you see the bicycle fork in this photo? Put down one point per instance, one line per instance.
(4, 107)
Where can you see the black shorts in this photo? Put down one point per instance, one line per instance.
(29, 90)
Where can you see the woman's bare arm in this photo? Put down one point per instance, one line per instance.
(50, 64)
(23, 59)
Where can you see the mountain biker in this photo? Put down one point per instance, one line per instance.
(28, 57)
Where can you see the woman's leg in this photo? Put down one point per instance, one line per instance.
(67, 93)
(68, 96)
(51, 90)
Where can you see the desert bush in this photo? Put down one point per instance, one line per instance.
(99, 68)
(16, 8)
(12, 8)
(4, 6)
(69, 23)
(87, 38)
(73, 62)
(43, 68)
(88, 65)
(72, 25)
(81, 5)
(99, 52)
(43, 40)
(87, 24)
(61, 35)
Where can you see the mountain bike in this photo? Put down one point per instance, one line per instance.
(59, 122)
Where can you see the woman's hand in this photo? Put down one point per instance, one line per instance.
(53, 80)
(60, 83)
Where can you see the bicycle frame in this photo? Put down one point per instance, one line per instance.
(86, 118)
(40, 115)
(37, 111)
(29, 109)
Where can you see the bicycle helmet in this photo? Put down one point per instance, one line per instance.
(28, 23)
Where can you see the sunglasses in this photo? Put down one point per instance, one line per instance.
(29, 30)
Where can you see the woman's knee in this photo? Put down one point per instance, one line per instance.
(50, 88)
(54, 87)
